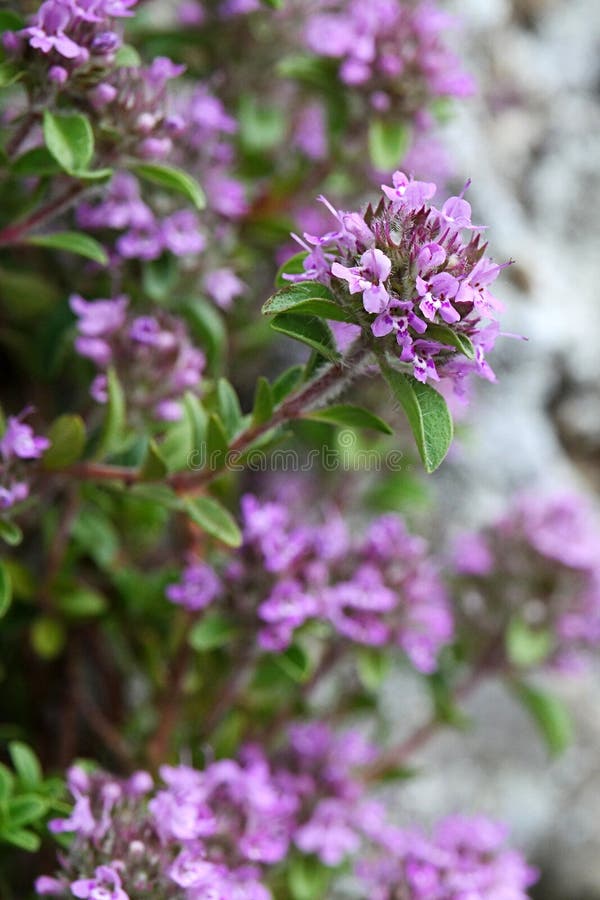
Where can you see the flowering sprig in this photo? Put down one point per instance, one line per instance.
(393, 53)
(413, 283)
(532, 578)
(152, 356)
(424, 281)
(463, 857)
(228, 829)
(381, 590)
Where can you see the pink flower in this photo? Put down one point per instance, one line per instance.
(368, 278)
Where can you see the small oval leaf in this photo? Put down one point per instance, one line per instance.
(427, 414)
(352, 416)
(72, 242)
(70, 140)
(172, 179)
(213, 518)
(67, 441)
(313, 332)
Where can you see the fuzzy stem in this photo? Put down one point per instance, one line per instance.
(333, 378)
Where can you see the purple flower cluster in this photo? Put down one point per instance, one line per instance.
(215, 832)
(204, 146)
(538, 566)
(219, 832)
(392, 51)
(464, 858)
(422, 275)
(153, 356)
(133, 103)
(17, 444)
(381, 589)
(145, 236)
(71, 34)
(207, 148)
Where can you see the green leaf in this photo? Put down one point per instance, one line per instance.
(197, 418)
(72, 242)
(373, 664)
(26, 809)
(263, 402)
(308, 878)
(172, 179)
(550, 715)
(209, 330)
(67, 442)
(153, 467)
(295, 662)
(25, 763)
(313, 332)
(212, 631)
(70, 140)
(10, 532)
(7, 783)
(388, 143)
(5, 590)
(94, 534)
(35, 162)
(352, 416)
(427, 415)
(213, 518)
(177, 446)
(114, 420)
(47, 637)
(82, 603)
(160, 277)
(9, 73)
(127, 57)
(292, 266)
(286, 383)
(229, 407)
(217, 444)
(20, 837)
(445, 703)
(26, 295)
(155, 493)
(95, 175)
(446, 335)
(307, 298)
(261, 127)
(526, 646)
(10, 21)
(309, 69)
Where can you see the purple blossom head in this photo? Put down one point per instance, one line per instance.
(223, 286)
(199, 586)
(72, 31)
(378, 589)
(536, 568)
(421, 273)
(392, 55)
(463, 858)
(153, 356)
(20, 442)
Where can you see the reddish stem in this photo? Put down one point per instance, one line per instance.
(290, 409)
(16, 233)
(397, 756)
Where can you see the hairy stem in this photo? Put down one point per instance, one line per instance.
(331, 379)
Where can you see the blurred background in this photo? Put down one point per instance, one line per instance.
(530, 140)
